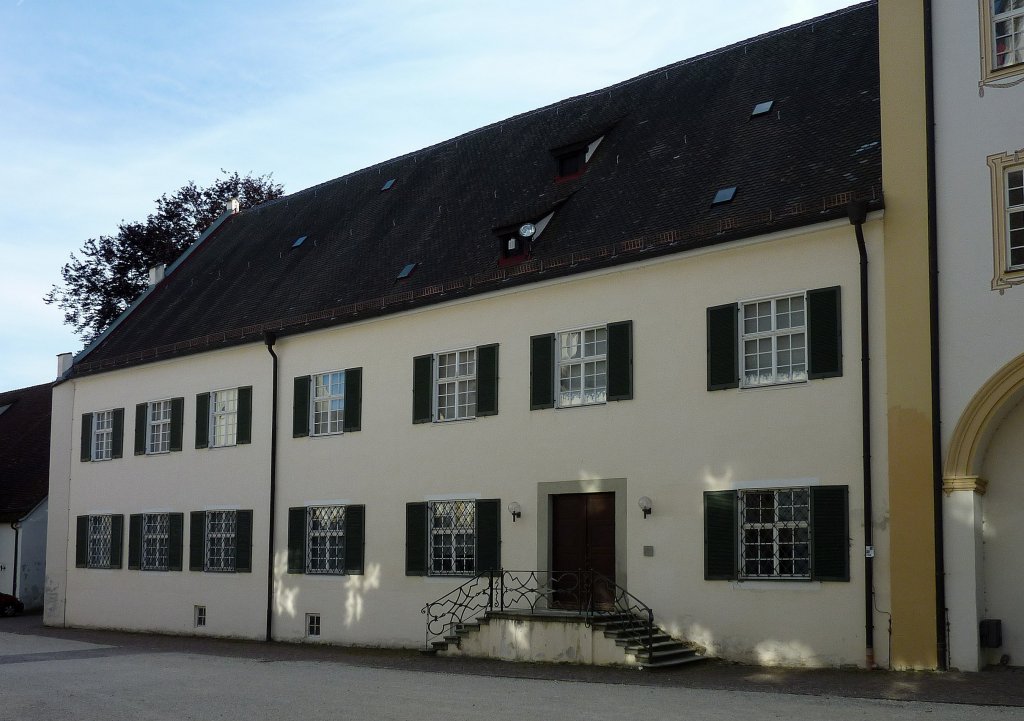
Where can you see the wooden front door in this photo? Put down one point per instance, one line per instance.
(583, 539)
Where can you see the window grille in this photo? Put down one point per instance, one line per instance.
(456, 385)
(102, 435)
(325, 539)
(155, 535)
(775, 533)
(582, 368)
(312, 624)
(220, 540)
(774, 341)
(328, 403)
(99, 541)
(159, 426)
(1008, 32)
(223, 417)
(1015, 215)
(452, 538)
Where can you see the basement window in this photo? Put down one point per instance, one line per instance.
(762, 108)
(199, 613)
(313, 625)
(723, 196)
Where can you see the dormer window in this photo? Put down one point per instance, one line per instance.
(516, 241)
(571, 160)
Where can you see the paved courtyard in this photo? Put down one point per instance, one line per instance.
(76, 674)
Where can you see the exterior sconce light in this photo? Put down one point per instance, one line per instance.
(516, 510)
(645, 505)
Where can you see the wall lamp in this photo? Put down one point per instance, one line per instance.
(645, 505)
(516, 510)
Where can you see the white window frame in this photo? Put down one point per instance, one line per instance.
(790, 535)
(101, 534)
(580, 365)
(156, 537)
(332, 561)
(450, 539)
(199, 614)
(773, 336)
(158, 426)
(1006, 216)
(223, 423)
(463, 385)
(313, 625)
(102, 442)
(322, 396)
(988, 21)
(222, 562)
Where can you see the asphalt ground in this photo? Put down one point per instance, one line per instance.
(24, 639)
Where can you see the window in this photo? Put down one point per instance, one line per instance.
(155, 541)
(452, 537)
(326, 539)
(571, 160)
(98, 541)
(223, 417)
(774, 341)
(158, 426)
(328, 403)
(102, 435)
(312, 625)
(794, 533)
(582, 371)
(787, 339)
(220, 541)
(582, 367)
(1007, 172)
(199, 613)
(1002, 38)
(455, 385)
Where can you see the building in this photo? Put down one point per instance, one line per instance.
(341, 405)
(24, 479)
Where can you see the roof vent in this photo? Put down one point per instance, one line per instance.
(723, 196)
(762, 108)
(387, 185)
(156, 273)
(407, 271)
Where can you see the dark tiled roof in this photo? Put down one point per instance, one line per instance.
(24, 450)
(672, 138)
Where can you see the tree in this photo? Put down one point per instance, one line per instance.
(112, 270)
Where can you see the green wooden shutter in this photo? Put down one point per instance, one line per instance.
(141, 421)
(488, 535)
(117, 445)
(86, 452)
(300, 407)
(177, 422)
(116, 540)
(197, 541)
(487, 380)
(422, 389)
(723, 347)
(243, 432)
(620, 361)
(202, 420)
(355, 539)
(243, 541)
(297, 539)
(720, 535)
(353, 414)
(542, 371)
(135, 542)
(830, 534)
(824, 333)
(416, 539)
(82, 542)
(175, 528)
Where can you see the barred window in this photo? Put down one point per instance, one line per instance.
(155, 538)
(774, 533)
(325, 539)
(456, 385)
(774, 341)
(582, 367)
(452, 538)
(328, 403)
(100, 533)
(102, 435)
(220, 540)
(159, 434)
(223, 417)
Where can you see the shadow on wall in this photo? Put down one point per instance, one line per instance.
(287, 591)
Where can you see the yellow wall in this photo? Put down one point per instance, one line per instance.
(904, 181)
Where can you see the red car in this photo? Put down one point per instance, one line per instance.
(9, 605)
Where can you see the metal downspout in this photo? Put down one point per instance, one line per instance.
(270, 339)
(858, 212)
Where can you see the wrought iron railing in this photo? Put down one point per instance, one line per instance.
(585, 593)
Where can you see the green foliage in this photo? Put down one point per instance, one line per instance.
(110, 271)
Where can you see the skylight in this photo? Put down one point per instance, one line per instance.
(298, 241)
(407, 270)
(725, 195)
(4, 408)
(388, 184)
(762, 108)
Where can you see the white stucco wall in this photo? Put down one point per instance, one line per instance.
(32, 557)
(673, 441)
(6, 557)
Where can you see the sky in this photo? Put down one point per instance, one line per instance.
(106, 105)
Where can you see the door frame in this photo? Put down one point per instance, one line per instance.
(545, 532)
